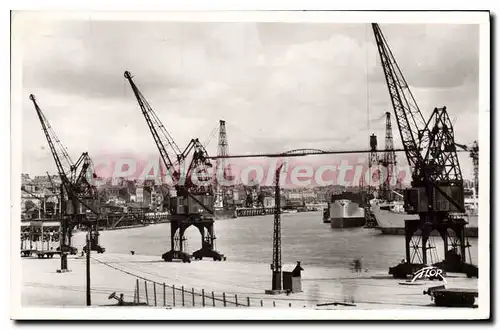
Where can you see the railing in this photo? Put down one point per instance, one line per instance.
(162, 295)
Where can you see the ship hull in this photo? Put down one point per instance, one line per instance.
(393, 223)
(347, 222)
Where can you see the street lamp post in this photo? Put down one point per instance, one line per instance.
(88, 265)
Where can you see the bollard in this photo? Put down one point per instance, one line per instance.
(192, 293)
(213, 299)
(274, 303)
(289, 304)
(154, 291)
(224, 298)
(182, 288)
(173, 295)
(261, 303)
(248, 301)
(146, 291)
(164, 295)
(236, 299)
(203, 297)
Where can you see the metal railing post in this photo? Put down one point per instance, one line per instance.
(154, 291)
(173, 295)
(146, 290)
(164, 295)
(182, 288)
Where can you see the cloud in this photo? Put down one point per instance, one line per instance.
(279, 86)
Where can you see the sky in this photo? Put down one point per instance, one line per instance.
(278, 86)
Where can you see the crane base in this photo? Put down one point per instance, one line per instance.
(464, 268)
(275, 291)
(63, 270)
(208, 253)
(402, 270)
(176, 255)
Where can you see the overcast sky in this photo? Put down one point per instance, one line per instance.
(279, 86)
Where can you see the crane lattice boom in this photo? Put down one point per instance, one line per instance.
(199, 161)
(57, 149)
(429, 145)
(160, 134)
(75, 187)
(408, 115)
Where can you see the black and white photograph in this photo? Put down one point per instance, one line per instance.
(250, 165)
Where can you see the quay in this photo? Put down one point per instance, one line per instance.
(320, 285)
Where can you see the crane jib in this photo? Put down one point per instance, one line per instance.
(71, 186)
(160, 134)
(426, 143)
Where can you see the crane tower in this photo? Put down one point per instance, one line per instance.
(388, 161)
(224, 192)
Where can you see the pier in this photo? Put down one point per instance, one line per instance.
(250, 212)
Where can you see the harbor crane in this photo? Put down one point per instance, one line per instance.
(194, 200)
(437, 188)
(78, 194)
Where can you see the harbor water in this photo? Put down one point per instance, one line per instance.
(305, 238)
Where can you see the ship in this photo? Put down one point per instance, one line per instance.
(391, 216)
(345, 210)
(345, 213)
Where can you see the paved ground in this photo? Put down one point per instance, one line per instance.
(43, 286)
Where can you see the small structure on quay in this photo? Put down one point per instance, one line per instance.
(292, 282)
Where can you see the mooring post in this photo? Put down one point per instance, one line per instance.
(236, 299)
(182, 289)
(164, 295)
(213, 299)
(192, 293)
(154, 291)
(224, 298)
(203, 297)
(146, 291)
(248, 301)
(173, 295)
